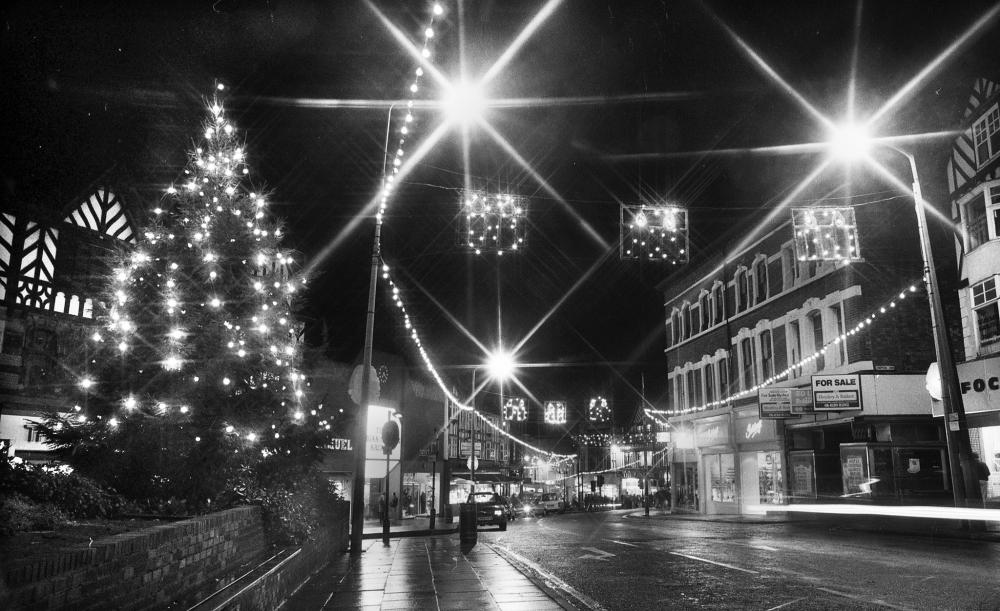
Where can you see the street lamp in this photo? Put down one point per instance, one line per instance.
(851, 142)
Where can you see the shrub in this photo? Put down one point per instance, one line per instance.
(70, 492)
(19, 513)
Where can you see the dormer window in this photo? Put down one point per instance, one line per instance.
(986, 135)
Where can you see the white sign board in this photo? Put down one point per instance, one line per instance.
(837, 392)
(374, 456)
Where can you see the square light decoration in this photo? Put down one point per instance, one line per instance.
(555, 412)
(515, 410)
(825, 234)
(493, 222)
(654, 233)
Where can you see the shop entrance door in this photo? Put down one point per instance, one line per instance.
(749, 480)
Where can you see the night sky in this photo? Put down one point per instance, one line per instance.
(634, 97)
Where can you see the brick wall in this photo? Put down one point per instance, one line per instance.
(167, 566)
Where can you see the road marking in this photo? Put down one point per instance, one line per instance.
(766, 548)
(791, 602)
(722, 564)
(622, 542)
(550, 579)
(598, 554)
(863, 599)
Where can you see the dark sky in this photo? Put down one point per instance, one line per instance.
(93, 87)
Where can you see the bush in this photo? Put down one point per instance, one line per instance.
(293, 508)
(19, 513)
(70, 492)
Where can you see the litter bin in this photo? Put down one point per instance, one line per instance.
(467, 533)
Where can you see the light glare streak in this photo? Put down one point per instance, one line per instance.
(519, 41)
(905, 511)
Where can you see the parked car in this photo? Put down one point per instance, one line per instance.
(490, 509)
(550, 502)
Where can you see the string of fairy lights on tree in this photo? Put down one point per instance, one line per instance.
(883, 310)
(208, 272)
(397, 300)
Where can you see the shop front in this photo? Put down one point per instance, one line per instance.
(760, 447)
(979, 382)
(718, 465)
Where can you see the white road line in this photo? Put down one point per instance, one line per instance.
(766, 548)
(791, 602)
(551, 580)
(621, 542)
(863, 599)
(722, 564)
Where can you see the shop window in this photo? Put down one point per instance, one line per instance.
(719, 299)
(760, 279)
(766, 355)
(986, 136)
(981, 217)
(722, 477)
(769, 478)
(986, 306)
(815, 319)
(749, 377)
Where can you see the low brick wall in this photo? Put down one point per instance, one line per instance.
(163, 566)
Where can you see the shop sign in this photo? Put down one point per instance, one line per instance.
(979, 382)
(836, 392)
(784, 402)
(712, 434)
(339, 444)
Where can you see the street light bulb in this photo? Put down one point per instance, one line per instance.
(849, 141)
(464, 103)
(500, 364)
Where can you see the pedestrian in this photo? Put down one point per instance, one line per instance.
(395, 501)
(382, 515)
(982, 472)
(423, 502)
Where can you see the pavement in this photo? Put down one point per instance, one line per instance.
(431, 569)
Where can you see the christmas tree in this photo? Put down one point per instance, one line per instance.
(193, 384)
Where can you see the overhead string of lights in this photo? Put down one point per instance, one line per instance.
(883, 310)
(634, 463)
(397, 300)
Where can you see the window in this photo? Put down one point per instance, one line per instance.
(816, 322)
(685, 321)
(691, 322)
(987, 308)
(986, 135)
(789, 268)
(705, 311)
(724, 378)
(760, 279)
(709, 383)
(696, 395)
(742, 290)
(981, 217)
(794, 348)
(719, 297)
(749, 375)
(675, 327)
(691, 400)
(766, 355)
(838, 320)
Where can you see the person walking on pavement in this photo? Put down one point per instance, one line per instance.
(982, 471)
(395, 502)
(382, 514)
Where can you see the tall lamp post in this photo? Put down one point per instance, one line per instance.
(850, 142)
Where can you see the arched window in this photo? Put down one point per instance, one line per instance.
(746, 355)
(815, 319)
(709, 383)
(675, 327)
(766, 355)
(742, 290)
(705, 310)
(760, 279)
(686, 321)
(719, 299)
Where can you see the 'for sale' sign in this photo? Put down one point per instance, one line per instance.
(836, 392)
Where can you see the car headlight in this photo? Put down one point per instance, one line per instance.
(496, 512)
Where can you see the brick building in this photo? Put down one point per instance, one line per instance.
(750, 322)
